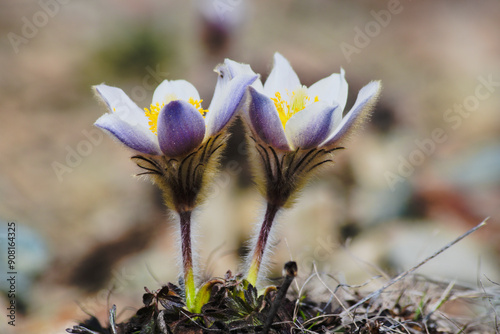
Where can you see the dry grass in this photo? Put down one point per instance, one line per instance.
(408, 303)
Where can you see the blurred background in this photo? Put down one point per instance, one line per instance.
(422, 172)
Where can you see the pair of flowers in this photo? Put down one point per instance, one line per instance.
(292, 130)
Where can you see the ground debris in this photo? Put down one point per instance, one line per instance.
(413, 305)
(408, 303)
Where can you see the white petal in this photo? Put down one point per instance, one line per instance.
(223, 78)
(131, 135)
(359, 111)
(174, 90)
(336, 119)
(282, 78)
(332, 89)
(236, 68)
(120, 104)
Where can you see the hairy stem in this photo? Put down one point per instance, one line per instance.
(187, 259)
(262, 241)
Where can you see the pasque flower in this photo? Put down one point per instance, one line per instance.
(294, 129)
(178, 144)
(175, 124)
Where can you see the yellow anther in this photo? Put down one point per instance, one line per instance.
(296, 102)
(154, 110)
(152, 113)
(197, 105)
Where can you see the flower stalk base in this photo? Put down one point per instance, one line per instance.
(280, 176)
(260, 247)
(184, 183)
(187, 259)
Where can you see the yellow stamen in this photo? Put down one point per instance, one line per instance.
(154, 110)
(152, 113)
(296, 102)
(197, 105)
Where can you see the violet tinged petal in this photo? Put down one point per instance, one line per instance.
(228, 101)
(336, 119)
(365, 100)
(181, 128)
(226, 72)
(332, 89)
(264, 120)
(236, 68)
(174, 90)
(120, 104)
(223, 79)
(310, 126)
(133, 136)
(282, 78)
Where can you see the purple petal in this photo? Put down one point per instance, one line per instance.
(264, 120)
(226, 72)
(310, 126)
(365, 100)
(228, 101)
(181, 128)
(133, 136)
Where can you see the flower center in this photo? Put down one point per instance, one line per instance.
(295, 102)
(154, 110)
